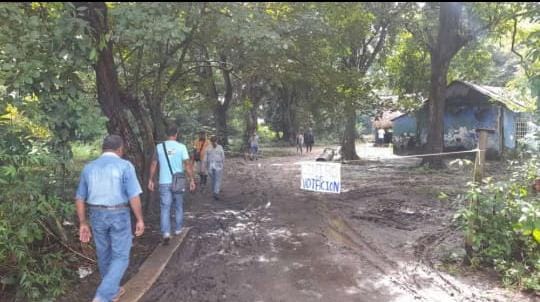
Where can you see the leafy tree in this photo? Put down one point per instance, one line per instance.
(361, 33)
(444, 29)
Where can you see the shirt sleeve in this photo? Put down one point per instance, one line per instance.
(82, 189)
(131, 183)
(184, 153)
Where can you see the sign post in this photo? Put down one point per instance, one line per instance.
(321, 177)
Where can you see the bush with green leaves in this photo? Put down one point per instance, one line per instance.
(33, 261)
(504, 219)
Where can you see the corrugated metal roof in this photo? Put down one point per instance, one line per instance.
(498, 94)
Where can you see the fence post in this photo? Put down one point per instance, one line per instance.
(479, 164)
(481, 154)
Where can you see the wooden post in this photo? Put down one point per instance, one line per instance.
(479, 164)
(481, 154)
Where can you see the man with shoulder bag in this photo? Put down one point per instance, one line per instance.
(173, 159)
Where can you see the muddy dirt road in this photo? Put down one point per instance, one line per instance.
(266, 240)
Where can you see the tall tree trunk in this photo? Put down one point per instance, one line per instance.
(287, 113)
(220, 109)
(126, 116)
(154, 105)
(251, 121)
(449, 41)
(254, 91)
(220, 115)
(437, 95)
(108, 90)
(348, 143)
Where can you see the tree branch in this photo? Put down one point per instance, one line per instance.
(514, 41)
(228, 83)
(376, 50)
(176, 75)
(123, 64)
(48, 231)
(420, 37)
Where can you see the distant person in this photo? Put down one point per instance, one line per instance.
(380, 136)
(214, 160)
(299, 142)
(106, 186)
(253, 146)
(172, 157)
(309, 140)
(387, 137)
(199, 151)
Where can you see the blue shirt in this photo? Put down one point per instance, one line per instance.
(108, 180)
(177, 154)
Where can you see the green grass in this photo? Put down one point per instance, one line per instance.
(85, 151)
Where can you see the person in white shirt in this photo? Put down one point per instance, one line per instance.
(380, 136)
(299, 142)
(213, 161)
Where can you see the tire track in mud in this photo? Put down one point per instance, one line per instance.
(342, 231)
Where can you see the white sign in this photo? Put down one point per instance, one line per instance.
(321, 177)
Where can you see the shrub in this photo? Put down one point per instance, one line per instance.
(33, 264)
(505, 221)
(265, 134)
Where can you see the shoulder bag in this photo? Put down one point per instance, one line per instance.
(178, 178)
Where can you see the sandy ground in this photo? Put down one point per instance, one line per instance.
(382, 239)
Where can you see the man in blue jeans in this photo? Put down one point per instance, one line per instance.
(106, 186)
(179, 161)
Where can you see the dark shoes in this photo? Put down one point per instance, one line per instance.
(216, 197)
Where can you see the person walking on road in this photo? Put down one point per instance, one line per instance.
(309, 140)
(106, 186)
(214, 160)
(253, 146)
(199, 152)
(173, 158)
(299, 142)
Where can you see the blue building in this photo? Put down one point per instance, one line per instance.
(468, 107)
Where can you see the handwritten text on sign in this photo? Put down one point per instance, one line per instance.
(321, 177)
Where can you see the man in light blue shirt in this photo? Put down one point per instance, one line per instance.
(106, 186)
(179, 162)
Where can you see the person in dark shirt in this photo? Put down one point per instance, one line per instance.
(309, 140)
